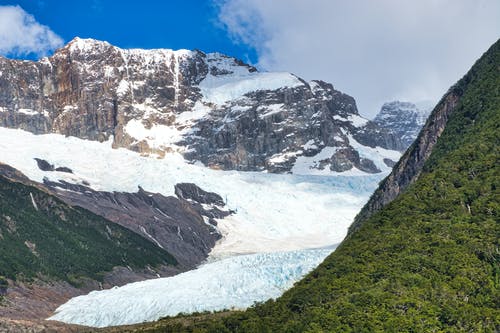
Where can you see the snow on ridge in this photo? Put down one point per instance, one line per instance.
(224, 88)
(90, 44)
(86, 44)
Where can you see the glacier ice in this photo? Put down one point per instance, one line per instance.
(275, 214)
(235, 282)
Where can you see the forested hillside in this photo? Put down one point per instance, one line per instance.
(42, 237)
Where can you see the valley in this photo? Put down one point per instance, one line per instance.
(233, 172)
(158, 185)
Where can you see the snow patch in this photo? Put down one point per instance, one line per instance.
(123, 88)
(310, 145)
(376, 154)
(271, 109)
(158, 136)
(224, 88)
(199, 111)
(357, 121)
(283, 157)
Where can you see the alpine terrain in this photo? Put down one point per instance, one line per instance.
(172, 162)
(404, 119)
(422, 256)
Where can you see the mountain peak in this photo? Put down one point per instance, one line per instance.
(86, 44)
(405, 119)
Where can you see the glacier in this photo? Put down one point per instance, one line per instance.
(232, 283)
(274, 212)
(284, 225)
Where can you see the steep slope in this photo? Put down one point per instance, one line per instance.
(409, 167)
(428, 260)
(43, 237)
(183, 226)
(209, 107)
(51, 251)
(404, 119)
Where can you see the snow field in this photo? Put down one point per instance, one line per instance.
(269, 243)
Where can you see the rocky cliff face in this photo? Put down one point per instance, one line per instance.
(404, 119)
(409, 167)
(208, 107)
(183, 226)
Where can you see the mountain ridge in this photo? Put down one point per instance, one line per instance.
(209, 107)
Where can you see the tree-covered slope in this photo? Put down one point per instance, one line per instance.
(429, 261)
(40, 236)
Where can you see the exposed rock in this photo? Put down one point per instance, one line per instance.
(93, 90)
(44, 165)
(40, 326)
(404, 119)
(190, 191)
(64, 169)
(179, 225)
(390, 163)
(14, 174)
(344, 159)
(367, 165)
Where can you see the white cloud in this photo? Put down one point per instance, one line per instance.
(21, 34)
(373, 50)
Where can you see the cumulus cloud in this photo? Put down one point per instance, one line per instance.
(21, 34)
(375, 51)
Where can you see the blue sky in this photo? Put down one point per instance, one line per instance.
(375, 51)
(185, 24)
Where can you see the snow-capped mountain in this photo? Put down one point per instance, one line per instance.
(209, 107)
(404, 119)
(172, 145)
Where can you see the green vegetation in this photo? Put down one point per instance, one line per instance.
(427, 262)
(55, 240)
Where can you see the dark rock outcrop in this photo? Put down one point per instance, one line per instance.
(181, 225)
(190, 191)
(46, 166)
